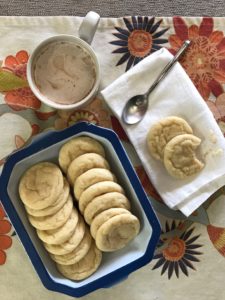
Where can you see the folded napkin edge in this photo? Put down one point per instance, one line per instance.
(110, 96)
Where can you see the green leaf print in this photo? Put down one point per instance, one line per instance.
(9, 81)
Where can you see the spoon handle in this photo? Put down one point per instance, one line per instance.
(169, 66)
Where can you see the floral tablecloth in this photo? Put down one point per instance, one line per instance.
(189, 262)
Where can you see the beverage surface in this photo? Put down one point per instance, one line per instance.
(64, 72)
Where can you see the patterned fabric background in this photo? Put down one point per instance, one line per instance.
(189, 262)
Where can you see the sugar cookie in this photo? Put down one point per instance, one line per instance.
(61, 234)
(53, 221)
(83, 163)
(103, 202)
(72, 243)
(105, 216)
(76, 147)
(77, 254)
(53, 208)
(90, 177)
(40, 185)
(180, 158)
(117, 232)
(85, 267)
(162, 132)
(98, 189)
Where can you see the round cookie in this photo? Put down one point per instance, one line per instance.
(71, 244)
(41, 185)
(77, 254)
(53, 208)
(117, 232)
(76, 147)
(180, 158)
(105, 216)
(83, 163)
(162, 132)
(98, 189)
(103, 202)
(85, 267)
(91, 177)
(61, 234)
(53, 221)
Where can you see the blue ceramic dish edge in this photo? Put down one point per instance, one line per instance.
(56, 136)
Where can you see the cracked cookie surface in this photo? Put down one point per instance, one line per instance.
(61, 234)
(77, 254)
(83, 163)
(76, 147)
(180, 158)
(40, 185)
(103, 202)
(96, 190)
(85, 267)
(162, 132)
(90, 177)
(105, 216)
(71, 243)
(53, 221)
(117, 232)
(54, 207)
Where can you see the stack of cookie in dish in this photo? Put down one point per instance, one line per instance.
(101, 199)
(46, 195)
(171, 140)
(49, 204)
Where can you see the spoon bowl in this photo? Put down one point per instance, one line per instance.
(135, 109)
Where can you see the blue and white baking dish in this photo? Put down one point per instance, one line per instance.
(115, 266)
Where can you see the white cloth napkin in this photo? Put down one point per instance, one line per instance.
(176, 95)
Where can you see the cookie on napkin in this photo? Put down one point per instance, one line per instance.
(176, 95)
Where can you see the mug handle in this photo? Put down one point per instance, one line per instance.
(88, 26)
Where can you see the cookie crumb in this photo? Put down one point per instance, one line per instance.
(213, 152)
(217, 152)
(212, 136)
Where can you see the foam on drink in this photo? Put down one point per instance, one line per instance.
(64, 72)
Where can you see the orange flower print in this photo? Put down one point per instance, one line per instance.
(216, 235)
(5, 240)
(17, 64)
(179, 253)
(44, 116)
(141, 37)
(204, 61)
(218, 107)
(100, 111)
(19, 98)
(22, 98)
(35, 129)
(95, 112)
(82, 115)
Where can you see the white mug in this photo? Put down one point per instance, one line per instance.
(86, 32)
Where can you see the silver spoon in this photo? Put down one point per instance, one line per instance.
(137, 106)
